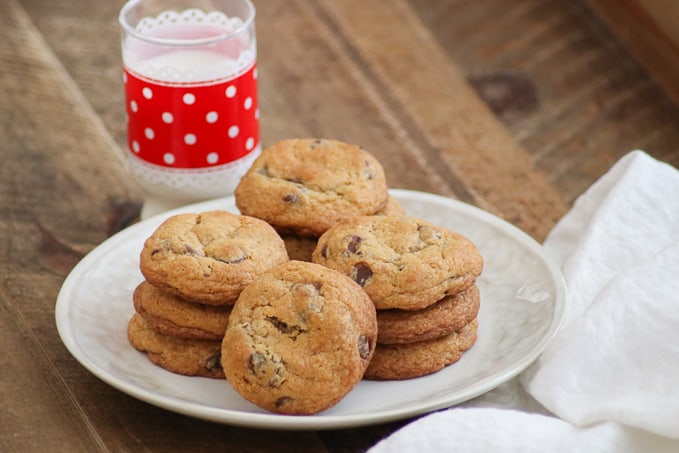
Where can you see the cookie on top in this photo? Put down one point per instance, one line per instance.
(305, 186)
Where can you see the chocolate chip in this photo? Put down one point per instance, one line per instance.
(290, 198)
(280, 402)
(281, 326)
(214, 362)
(285, 328)
(363, 346)
(362, 274)
(256, 362)
(354, 242)
(324, 251)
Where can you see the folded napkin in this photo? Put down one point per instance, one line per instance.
(609, 379)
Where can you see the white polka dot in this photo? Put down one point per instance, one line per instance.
(135, 146)
(212, 158)
(147, 93)
(211, 117)
(249, 143)
(230, 91)
(233, 131)
(256, 113)
(167, 117)
(124, 77)
(190, 139)
(189, 98)
(248, 103)
(168, 158)
(149, 133)
(133, 106)
(254, 74)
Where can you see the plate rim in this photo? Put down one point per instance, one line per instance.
(318, 421)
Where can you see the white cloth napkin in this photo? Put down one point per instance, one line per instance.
(609, 381)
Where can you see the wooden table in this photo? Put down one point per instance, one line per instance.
(514, 106)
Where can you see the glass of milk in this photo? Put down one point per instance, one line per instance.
(190, 75)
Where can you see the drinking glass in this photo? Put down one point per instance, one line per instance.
(190, 76)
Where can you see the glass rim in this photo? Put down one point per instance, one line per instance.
(247, 21)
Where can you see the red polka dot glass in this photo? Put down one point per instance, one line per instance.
(190, 78)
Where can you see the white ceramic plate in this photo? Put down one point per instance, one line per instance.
(522, 301)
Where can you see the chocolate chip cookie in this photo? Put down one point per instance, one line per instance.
(305, 186)
(299, 338)
(400, 261)
(209, 257)
(174, 316)
(444, 317)
(185, 356)
(406, 361)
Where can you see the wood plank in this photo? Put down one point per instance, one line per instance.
(311, 88)
(650, 30)
(27, 377)
(42, 235)
(454, 129)
(567, 91)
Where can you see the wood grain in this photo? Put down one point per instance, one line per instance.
(650, 30)
(56, 155)
(456, 132)
(568, 92)
(516, 106)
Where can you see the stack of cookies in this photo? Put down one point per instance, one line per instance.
(302, 187)
(195, 267)
(320, 282)
(421, 278)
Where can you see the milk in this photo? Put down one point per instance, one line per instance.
(185, 64)
(191, 102)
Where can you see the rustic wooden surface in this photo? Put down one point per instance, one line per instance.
(515, 106)
(649, 29)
